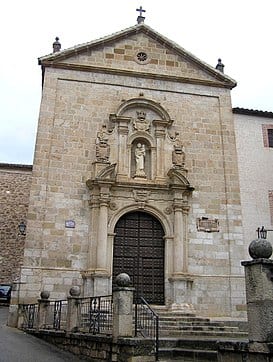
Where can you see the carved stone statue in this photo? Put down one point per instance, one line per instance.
(102, 147)
(178, 154)
(140, 160)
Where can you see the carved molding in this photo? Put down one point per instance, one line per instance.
(141, 123)
(108, 173)
(178, 177)
(168, 210)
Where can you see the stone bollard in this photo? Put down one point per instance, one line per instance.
(123, 307)
(43, 305)
(259, 291)
(72, 309)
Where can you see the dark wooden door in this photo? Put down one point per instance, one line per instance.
(139, 252)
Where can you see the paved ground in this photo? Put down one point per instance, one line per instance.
(17, 346)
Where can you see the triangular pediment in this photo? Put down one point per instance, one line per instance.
(138, 51)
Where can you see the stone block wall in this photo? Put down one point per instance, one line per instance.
(15, 183)
(75, 105)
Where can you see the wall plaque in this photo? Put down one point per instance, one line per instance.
(207, 225)
(70, 224)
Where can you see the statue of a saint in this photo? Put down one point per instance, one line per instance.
(140, 159)
(102, 146)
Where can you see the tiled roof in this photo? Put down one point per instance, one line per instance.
(15, 166)
(252, 112)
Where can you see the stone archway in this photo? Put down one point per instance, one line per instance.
(139, 252)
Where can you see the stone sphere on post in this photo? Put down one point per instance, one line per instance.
(123, 280)
(75, 291)
(44, 294)
(260, 249)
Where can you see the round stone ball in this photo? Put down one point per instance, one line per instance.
(123, 280)
(44, 294)
(75, 291)
(260, 248)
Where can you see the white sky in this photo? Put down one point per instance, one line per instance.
(238, 31)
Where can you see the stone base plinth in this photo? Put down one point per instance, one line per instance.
(238, 351)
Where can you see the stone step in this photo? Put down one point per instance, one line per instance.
(182, 318)
(187, 349)
(175, 323)
(172, 322)
(200, 327)
(187, 354)
(199, 333)
(190, 348)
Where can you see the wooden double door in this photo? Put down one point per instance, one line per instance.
(139, 252)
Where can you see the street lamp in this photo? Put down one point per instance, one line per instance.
(22, 228)
(262, 232)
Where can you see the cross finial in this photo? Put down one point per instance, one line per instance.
(140, 18)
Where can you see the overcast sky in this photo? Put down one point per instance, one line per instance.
(238, 31)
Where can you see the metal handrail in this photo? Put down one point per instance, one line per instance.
(147, 323)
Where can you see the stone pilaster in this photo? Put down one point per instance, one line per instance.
(160, 134)
(123, 158)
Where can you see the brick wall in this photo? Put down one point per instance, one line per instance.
(14, 198)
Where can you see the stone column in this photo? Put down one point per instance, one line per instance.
(43, 306)
(73, 304)
(102, 231)
(102, 270)
(181, 281)
(122, 307)
(259, 291)
(259, 299)
(178, 248)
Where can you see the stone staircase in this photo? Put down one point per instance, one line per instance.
(187, 337)
(188, 349)
(179, 324)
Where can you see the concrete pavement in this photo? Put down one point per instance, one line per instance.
(17, 346)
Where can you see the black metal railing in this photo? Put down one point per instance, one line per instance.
(30, 315)
(95, 315)
(147, 323)
(56, 315)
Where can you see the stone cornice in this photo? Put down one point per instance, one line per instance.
(133, 73)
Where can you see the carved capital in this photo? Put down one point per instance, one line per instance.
(177, 206)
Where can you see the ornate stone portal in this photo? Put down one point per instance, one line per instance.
(140, 166)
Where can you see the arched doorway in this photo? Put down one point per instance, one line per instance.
(139, 252)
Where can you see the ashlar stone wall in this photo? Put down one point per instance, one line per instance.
(77, 101)
(15, 183)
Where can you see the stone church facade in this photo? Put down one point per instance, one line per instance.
(135, 170)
